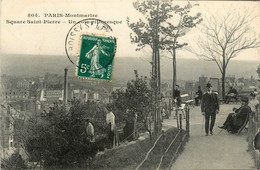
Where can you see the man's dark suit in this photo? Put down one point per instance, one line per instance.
(177, 96)
(209, 105)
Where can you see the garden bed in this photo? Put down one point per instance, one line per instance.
(131, 155)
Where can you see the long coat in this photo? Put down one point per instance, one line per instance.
(241, 115)
(209, 103)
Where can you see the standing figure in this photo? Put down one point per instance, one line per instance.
(94, 54)
(198, 96)
(209, 108)
(90, 131)
(110, 120)
(177, 96)
(130, 131)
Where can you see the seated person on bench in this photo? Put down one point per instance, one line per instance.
(232, 94)
(236, 120)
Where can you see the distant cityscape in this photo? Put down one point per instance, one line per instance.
(23, 95)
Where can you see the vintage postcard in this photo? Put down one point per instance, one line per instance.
(137, 84)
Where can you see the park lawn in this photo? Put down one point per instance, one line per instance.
(131, 155)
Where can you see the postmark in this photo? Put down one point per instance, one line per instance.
(82, 38)
(96, 57)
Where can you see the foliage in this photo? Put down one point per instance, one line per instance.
(175, 30)
(183, 22)
(137, 98)
(173, 23)
(130, 156)
(58, 138)
(15, 161)
(145, 32)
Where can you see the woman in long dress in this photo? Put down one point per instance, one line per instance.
(94, 54)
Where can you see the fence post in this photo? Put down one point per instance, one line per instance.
(250, 132)
(180, 116)
(170, 108)
(176, 115)
(187, 110)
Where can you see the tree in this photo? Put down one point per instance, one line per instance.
(160, 33)
(156, 14)
(224, 38)
(137, 98)
(58, 138)
(149, 33)
(183, 22)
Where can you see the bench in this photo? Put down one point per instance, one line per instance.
(232, 97)
(244, 124)
(185, 102)
(185, 99)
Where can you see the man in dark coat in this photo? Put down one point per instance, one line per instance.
(232, 93)
(177, 95)
(209, 108)
(198, 96)
(235, 120)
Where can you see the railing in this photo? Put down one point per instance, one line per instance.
(254, 125)
(179, 139)
(185, 137)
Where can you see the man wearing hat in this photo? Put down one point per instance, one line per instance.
(209, 108)
(235, 120)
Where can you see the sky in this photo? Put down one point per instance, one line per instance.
(49, 39)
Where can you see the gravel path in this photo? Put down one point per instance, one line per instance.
(219, 151)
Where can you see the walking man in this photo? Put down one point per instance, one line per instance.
(209, 108)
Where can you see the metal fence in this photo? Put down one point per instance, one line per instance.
(253, 127)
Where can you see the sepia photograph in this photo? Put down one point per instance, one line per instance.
(138, 84)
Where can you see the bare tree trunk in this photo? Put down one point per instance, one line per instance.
(174, 78)
(223, 84)
(223, 78)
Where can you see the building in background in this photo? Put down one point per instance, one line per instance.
(216, 86)
(52, 81)
(202, 83)
(24, 84)
(14, 94)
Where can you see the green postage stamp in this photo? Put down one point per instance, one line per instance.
(96, 57)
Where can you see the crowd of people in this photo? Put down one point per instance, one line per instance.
(209, 103)
(112, 137)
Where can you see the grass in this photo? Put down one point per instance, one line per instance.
(131, 155)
